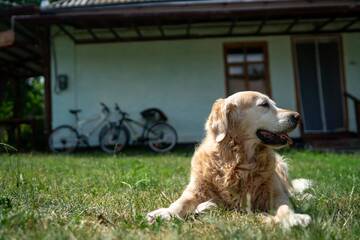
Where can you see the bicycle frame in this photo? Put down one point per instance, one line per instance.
(98, 120)
(131, 124)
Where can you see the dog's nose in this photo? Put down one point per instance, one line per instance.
(295, 118)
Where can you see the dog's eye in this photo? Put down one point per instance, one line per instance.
(264, 104)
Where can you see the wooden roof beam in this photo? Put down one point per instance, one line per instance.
(232, 26)
(30, 51)
(19, 62)
(6, 66)
(11, 61)
(261, 26)
(138, 32)
(351, 23)
(291, 25)
(161, 30)
(20, 29)
(116, 35)
(93, 35)
(67, 33)
(12, 55)
(323, 24)
(184, 36)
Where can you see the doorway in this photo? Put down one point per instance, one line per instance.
(320, 84)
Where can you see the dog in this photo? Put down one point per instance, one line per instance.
(236, 167)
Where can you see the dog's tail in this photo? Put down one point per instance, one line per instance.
(299, 187)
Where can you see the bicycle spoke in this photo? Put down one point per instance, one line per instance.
(113, 140)
(161, 137)
(63, 139)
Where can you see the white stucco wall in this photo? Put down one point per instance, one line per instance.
(351, 46)
(183, 78)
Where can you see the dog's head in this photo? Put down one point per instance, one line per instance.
(251, 116)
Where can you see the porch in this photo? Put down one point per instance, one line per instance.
(87, 26)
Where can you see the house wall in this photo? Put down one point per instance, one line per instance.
(183, 78)
(351, 48)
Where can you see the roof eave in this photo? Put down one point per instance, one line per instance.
(246, 5)
(19, 10)
(203, 12)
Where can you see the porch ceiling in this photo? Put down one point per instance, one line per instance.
(166, 20)
(194, 30)
(22, 58)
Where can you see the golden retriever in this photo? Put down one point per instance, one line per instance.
(236, 167)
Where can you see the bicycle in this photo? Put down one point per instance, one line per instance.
(66, 138)
(156, 133)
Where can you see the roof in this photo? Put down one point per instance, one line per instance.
(90, 3)
(89, 21)
(73, 3)
(190, 10)
(108, 3)
(214, 8)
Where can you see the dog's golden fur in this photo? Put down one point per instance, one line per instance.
(233, 169)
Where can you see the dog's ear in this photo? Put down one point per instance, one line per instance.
(217, 122)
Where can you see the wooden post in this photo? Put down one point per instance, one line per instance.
(357, 116)
(47, 77)
(2, 88)
(17, 97)
(356, 102)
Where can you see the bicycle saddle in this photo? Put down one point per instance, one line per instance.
(74, 111)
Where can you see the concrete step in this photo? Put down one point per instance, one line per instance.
(334, 145)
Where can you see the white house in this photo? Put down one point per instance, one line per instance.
(180, 56)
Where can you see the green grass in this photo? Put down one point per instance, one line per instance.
(97, 196)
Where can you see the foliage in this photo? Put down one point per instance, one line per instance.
(95, 196)
(34, 97)
(31, 101)
(6, 108)
(19, 2)
(31, 104)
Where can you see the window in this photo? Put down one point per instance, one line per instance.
(246, 67)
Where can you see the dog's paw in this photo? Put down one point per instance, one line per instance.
(202, 207)
(300, 185)
(295, 219)
(162, 213)
(267, 220)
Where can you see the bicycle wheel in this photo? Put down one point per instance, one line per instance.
(161, 137)
(113, 139)
(63, 139)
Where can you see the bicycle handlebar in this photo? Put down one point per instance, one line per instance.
(105, 108)
(117, 108)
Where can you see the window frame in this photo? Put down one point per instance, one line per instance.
(243, 45)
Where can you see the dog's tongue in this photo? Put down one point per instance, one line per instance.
(286, 137)
(271, 138)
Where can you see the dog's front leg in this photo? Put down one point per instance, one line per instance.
(285, 215)
(186, 204)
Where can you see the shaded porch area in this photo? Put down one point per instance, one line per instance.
(23, 68)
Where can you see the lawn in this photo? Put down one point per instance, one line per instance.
(92, 196)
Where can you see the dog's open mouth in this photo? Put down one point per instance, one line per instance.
(271, 138)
